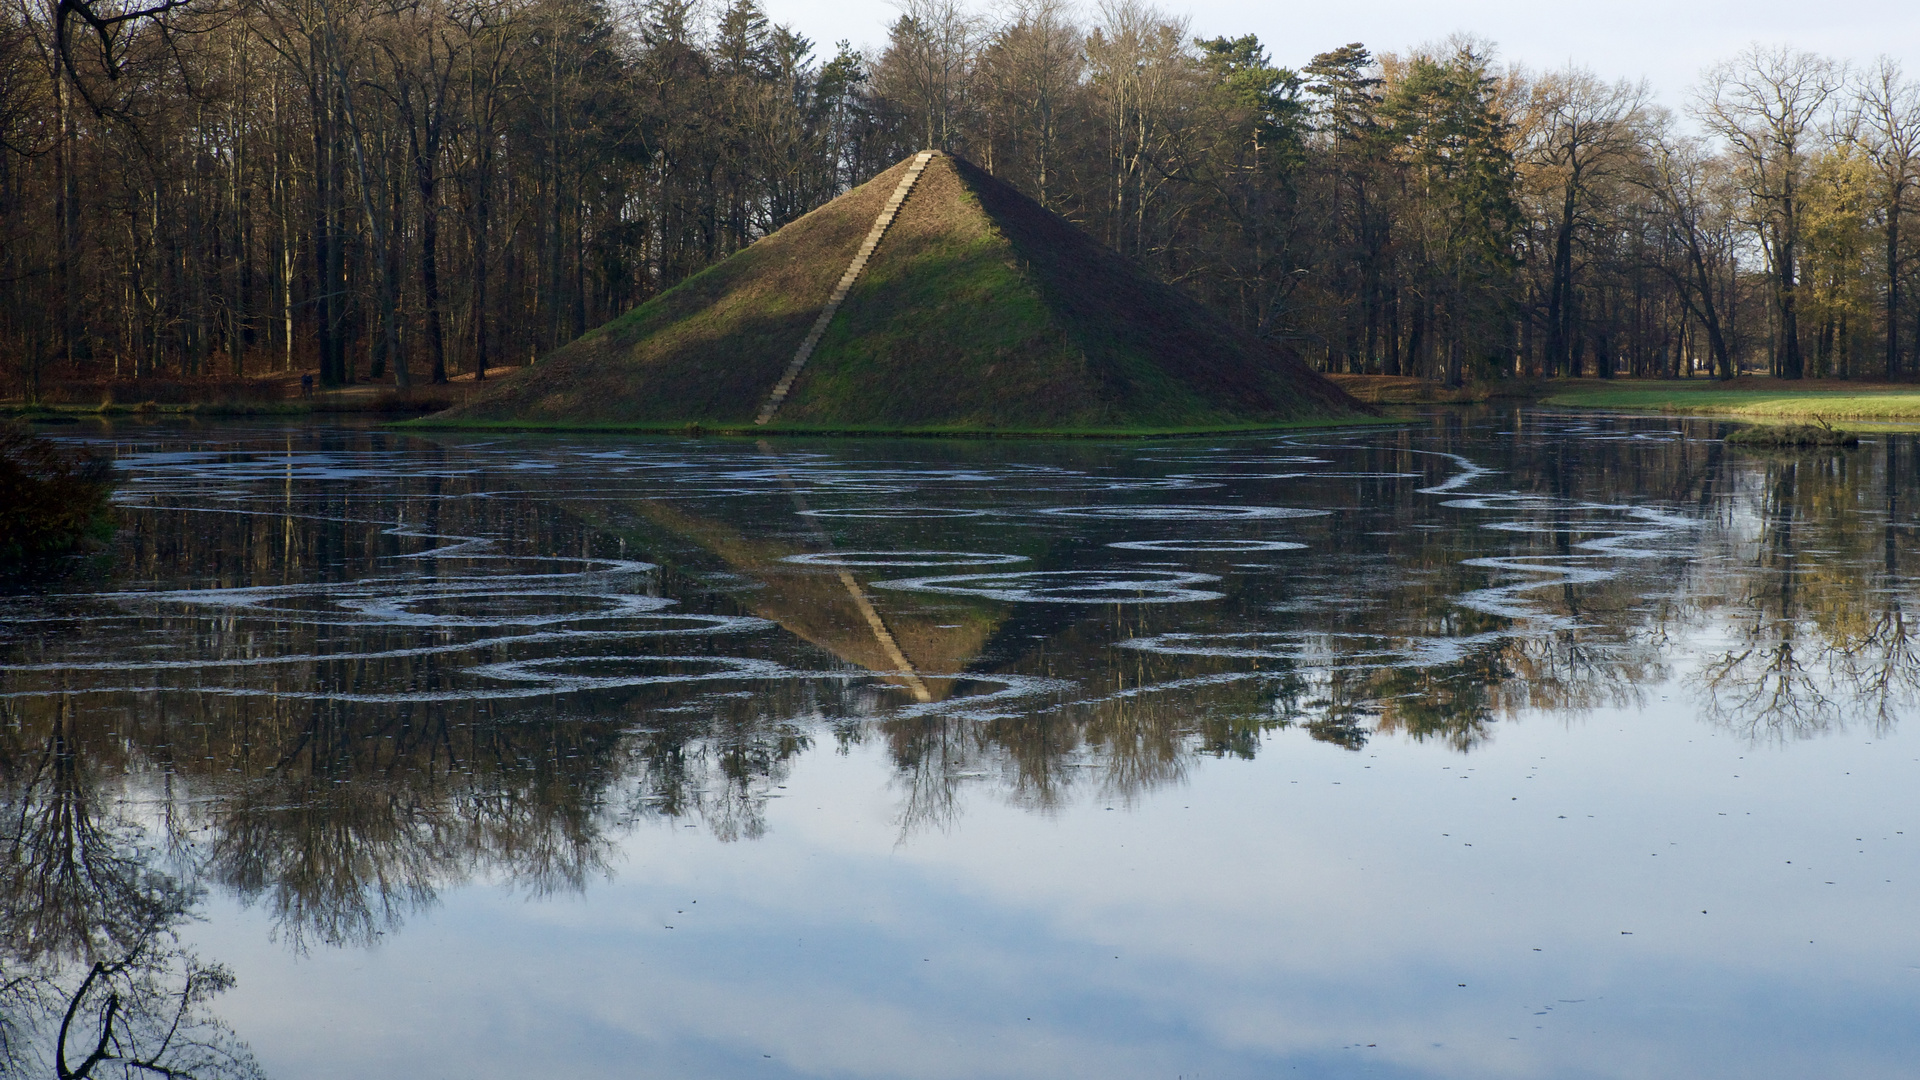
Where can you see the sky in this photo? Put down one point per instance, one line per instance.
(1666, 42)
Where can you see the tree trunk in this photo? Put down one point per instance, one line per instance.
(1560, 293)
(1893, 282)
(1792, 363)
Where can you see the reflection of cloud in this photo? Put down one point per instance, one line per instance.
(1239, 927)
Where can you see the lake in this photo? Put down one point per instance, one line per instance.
(1501, 743)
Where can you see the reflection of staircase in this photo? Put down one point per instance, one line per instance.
(847, 279)
(902, 644)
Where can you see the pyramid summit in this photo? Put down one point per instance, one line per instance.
(932, 298)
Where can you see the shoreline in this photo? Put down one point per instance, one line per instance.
(750, 430)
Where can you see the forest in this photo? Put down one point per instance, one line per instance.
(410, 191)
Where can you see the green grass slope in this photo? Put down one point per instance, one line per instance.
(979, 312)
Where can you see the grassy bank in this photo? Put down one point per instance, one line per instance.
(1757, 400)
(734, 429)
(280, 394)
(358, 400)
(23, 411)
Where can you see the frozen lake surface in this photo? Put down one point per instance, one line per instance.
(1502, 744)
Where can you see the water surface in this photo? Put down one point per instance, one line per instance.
(1501, 744)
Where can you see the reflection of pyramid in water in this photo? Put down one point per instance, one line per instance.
(916, 644)
(977, 310)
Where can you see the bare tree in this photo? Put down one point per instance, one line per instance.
(1686, 182)
(1766, 104)
(1033, 65)
(928, 64)
(1584, 134)
(1889, 129)
(424, 58)
(1144, 76)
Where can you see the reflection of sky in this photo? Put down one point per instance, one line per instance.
(1275, 914)
(1623, 894)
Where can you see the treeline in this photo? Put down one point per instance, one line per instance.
(411, 191)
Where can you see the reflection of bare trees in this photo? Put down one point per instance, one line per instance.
(720, 762)
(1119, 748)
(356, 821)
(1766, 693)
(143, 1012)
(74, 876)
(1815, 600)
(933, 754)
(1778, 686)
(93, 978)
(1427, 705)
(335, 865)
(1175, 707)
(1459, 702)
(1881, 668)
(343, 822)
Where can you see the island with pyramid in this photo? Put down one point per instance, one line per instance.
(933, 299)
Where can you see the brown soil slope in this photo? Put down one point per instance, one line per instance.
(979, 311)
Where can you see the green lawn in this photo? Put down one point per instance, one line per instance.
(1759, 400)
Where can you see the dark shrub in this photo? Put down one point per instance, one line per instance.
(51, 499)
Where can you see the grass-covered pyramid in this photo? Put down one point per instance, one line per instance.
(979, 311)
